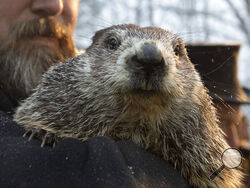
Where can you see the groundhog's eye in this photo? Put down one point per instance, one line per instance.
(113, 43)
(177, 50)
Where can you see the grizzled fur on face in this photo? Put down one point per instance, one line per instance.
(138, 84)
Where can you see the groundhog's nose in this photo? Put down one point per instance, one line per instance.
(148, 58)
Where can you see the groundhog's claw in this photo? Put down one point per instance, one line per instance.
(26, 133)
(47, 138)
(34, 133)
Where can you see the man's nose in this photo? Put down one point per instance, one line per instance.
(47, 7)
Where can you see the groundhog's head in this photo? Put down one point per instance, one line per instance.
(144, 61)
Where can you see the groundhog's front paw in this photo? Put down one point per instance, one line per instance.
(47, 138)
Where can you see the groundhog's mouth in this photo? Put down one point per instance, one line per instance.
(147, 82)
(145, 87)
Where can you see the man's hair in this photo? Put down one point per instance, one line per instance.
(22, 62)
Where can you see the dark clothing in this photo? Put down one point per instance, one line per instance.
(98, 162)
(7, 103)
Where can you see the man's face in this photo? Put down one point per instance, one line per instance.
(34, 34)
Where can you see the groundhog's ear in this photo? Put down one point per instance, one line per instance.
(179, 48)
(185, 54)
(187, 51)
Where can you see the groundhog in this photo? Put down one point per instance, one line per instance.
(137, 84)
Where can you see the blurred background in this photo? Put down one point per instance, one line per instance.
(192, 20)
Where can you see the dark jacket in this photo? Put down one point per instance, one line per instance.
(98, 162)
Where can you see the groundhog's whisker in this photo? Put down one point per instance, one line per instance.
(82, 36)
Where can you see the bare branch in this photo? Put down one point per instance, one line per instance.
(243, 24)
(150, 12)
(247, 2)
(180, 11)
(138, 13)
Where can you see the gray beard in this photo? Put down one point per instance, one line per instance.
(22, 62)
(21, 70)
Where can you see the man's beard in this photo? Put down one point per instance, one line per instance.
(22, 61)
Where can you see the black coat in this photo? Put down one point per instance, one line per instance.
(98, 162)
